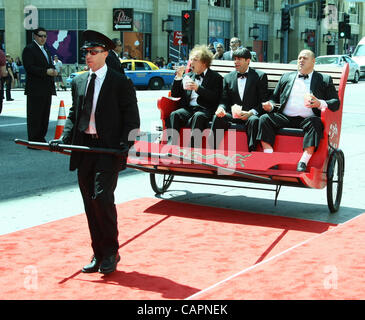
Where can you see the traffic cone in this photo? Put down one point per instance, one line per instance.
(60, 121)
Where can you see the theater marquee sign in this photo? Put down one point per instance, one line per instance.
(123, 19)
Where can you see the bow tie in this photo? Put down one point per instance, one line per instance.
(304, 76)
(199, 76)
(242, 75)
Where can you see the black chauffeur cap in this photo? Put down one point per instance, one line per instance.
(96, 39)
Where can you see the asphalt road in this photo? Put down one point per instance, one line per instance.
(37, 187)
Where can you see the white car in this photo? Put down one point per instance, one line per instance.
(340, 60)
(359, 56)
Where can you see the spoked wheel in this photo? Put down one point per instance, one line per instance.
(335, 173)
(160, 182)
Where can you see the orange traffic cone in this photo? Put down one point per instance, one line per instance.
(60, 121)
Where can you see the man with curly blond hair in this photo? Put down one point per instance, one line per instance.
(199, 91)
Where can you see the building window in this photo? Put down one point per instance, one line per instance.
(260, 45)
(2, 19)
(311, 10)
(219, 32)
(353, 7)
(261, 5)
(142, 22)
(63, 19)
(220, 3)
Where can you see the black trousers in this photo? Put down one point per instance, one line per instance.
(251, 127)
(269, 123)
(38, 110)
(97, 176)
(193, 117)
(6, 81)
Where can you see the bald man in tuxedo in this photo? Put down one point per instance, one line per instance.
(297, 112)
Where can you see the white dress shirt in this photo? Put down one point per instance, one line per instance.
(43, 50)
(100, 76)
(194, 96)
(241, 83)
(295, 105)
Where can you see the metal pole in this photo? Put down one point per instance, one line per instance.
(235, 19)
(285, 40)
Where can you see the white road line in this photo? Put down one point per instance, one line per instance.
(12, 124)
(265, 261)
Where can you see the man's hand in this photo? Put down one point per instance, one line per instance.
(267, 106)
(54, 145)
(312, 102)
(244, 115)
(220, 113)
(52, 72)
(180, 71)
(192, 85)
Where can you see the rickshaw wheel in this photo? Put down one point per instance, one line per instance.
(335, 173)
(160, 182)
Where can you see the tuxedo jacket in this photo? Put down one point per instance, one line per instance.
(321, 86)
(38, 83)
(255, 92)
(116, 112)
(113, 62)
(209, 92)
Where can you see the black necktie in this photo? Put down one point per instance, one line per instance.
(242, 75)
(199, 76)
(304, 76)
(88, 104)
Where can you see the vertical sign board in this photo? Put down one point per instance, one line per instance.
(178, 38)
(123, 19)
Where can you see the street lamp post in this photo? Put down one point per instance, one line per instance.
(167, 25)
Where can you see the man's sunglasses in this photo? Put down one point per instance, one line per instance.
(93, 52)
(41, 35)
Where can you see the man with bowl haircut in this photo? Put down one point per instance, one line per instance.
(104, 111)
(243, 92)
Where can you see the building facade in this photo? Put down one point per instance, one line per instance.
(256, 22)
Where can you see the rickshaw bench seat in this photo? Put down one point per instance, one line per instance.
(295, 132)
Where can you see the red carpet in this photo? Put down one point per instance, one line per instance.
(169, 250)
(331, 266)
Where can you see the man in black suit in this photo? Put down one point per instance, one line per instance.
(104, 113)
(39, 86)
(200, 91)
(302, 95)
(112, 60)
(243, 92)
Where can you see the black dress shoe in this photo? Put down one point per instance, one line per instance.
(109, 264)
(301, 167)
(10, 99)
(93, 266)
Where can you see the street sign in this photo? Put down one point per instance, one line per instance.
(123, 19)
(178, 38)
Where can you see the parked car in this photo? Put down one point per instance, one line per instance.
(359, 56)
(142, 73)
(339, 60)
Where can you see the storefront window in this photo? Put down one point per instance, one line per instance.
(219, 32)
(137, 43)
